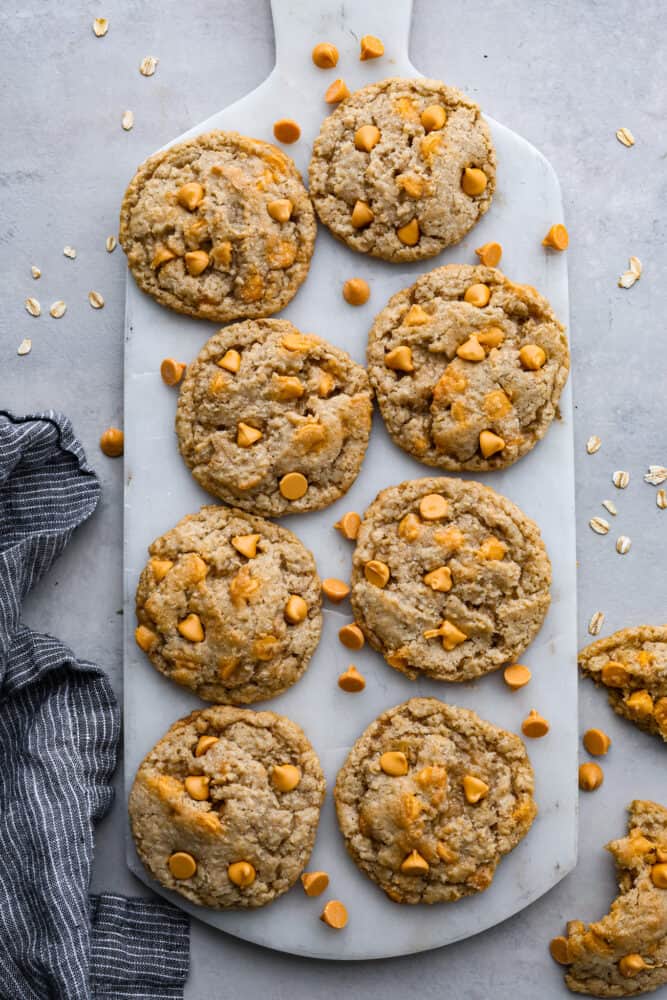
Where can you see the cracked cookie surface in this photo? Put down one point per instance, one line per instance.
(632, 665)
(246, 835)
(625, 953)
(218, 227)
(450, 579)
(229, 605)
(284, 428)
(376, 150)
(406, 814)
(465, 386)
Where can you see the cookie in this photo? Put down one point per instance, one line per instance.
(224, 809)
(403, 169)
(430, 799)
(229, 605)
(449, 578)
(219, 227)
(632, 666)
(468, 368)
(273, 420)
(625, 953)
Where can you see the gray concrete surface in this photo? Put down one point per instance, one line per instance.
(565, 75)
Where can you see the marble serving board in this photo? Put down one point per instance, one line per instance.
(160, 490)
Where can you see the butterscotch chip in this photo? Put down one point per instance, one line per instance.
(474, 789)
(559, 950)
(334, 915)
(286, 130)
(280, 209)
(336, 92)
(590, 777)
(351, 636)
(351, 680)
(414, 138)
(631, 965)
(485, 356)
(468, 586)
(112, 442)
(659, 875)
(349, 525)
(171, 371)
(370, 48)
(182, 244)
(335, 590)
(404, 814)
(197, 787)
(325, 55)
(362, 215)
(314, 883)
(161, 567)
(516, 676)
(245, 850)
(377, 573)
(204, 744)
(474, 181)
(489, 254)
(356, 291)
(399, 359)
(557, 238)
(614, 675)
(273, 420)
(596, 742)
(285, 777)
(237, 615)
(490, 444)
(534, 725)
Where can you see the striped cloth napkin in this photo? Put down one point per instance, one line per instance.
(59, 730)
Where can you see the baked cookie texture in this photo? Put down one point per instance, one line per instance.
(406, 173)
(625, 953)
(406, 814)
(229, 605)
(449, 578)
(235, 795)
(467, 385)
(632, 666)
(281, 428)
(219, 227)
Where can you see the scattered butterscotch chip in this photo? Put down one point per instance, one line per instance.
(516, 676)
(293, 485)
(623, 545)
(620, 479)
(110, 243)
(246, 436)
(596, 622)
(231, 361)
(477, 295)
(196, 785)
(285, 777)
(366, 137)
(490, 443)
(534, 725)
(433, 507)
(33, 307)
(409, 234)
(336, 92)
(191, 628)
(599, 525)
(362, 215)
(351, 636)
(334, 915)
(415, 864)
(349, 525)
(400, 359)
(370, 48)
(559, 950)
(557, 238)
(24, 347)
(314, 883)
(241, 873)
(246, 545)
(474, 789)
(204, 744)
(593, 444)
(325, 55)
(127, 121)
(96, 300)
(58, 309)
(112, 442)
(144, 637)
(335, 590)
(394, 763)
(356, 291)
(489, 254)
(377, 573)
(625, 136)
(286, 130)
(596, 742)
(351, 680)
(474, 181)
(100, 26)
(171, 371)
(35, 272)
(590, 777)
(296, 609)
(148, 65)
(182, 865)
(532, 357)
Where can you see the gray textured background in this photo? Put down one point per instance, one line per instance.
(565, 75)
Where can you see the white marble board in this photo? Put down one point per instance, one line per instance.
(159, 491)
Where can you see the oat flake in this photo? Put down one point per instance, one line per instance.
(58, 309)
(610, 506)
(593, 444)
(33, 307)
(661, 499)
(656, 475)
(127, 121)
(100, 26)
(148, 65)
(625, 136)
(96, 300)
(596, 622)
(599, 525)
(35, 272)
(69, 252)
(24, 347)
(623, 544)
(110, 244)
(620, 479)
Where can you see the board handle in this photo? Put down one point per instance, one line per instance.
(300, 24)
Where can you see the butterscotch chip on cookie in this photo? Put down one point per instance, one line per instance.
(465, 586)
(625, 953)
(219, 227)
(391, 166)
(632, 666)
(229, 605)
(285, 429)
(430, 798)
(208, 818)
(483, 362)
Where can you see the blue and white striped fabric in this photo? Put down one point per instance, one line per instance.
(59, 731)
